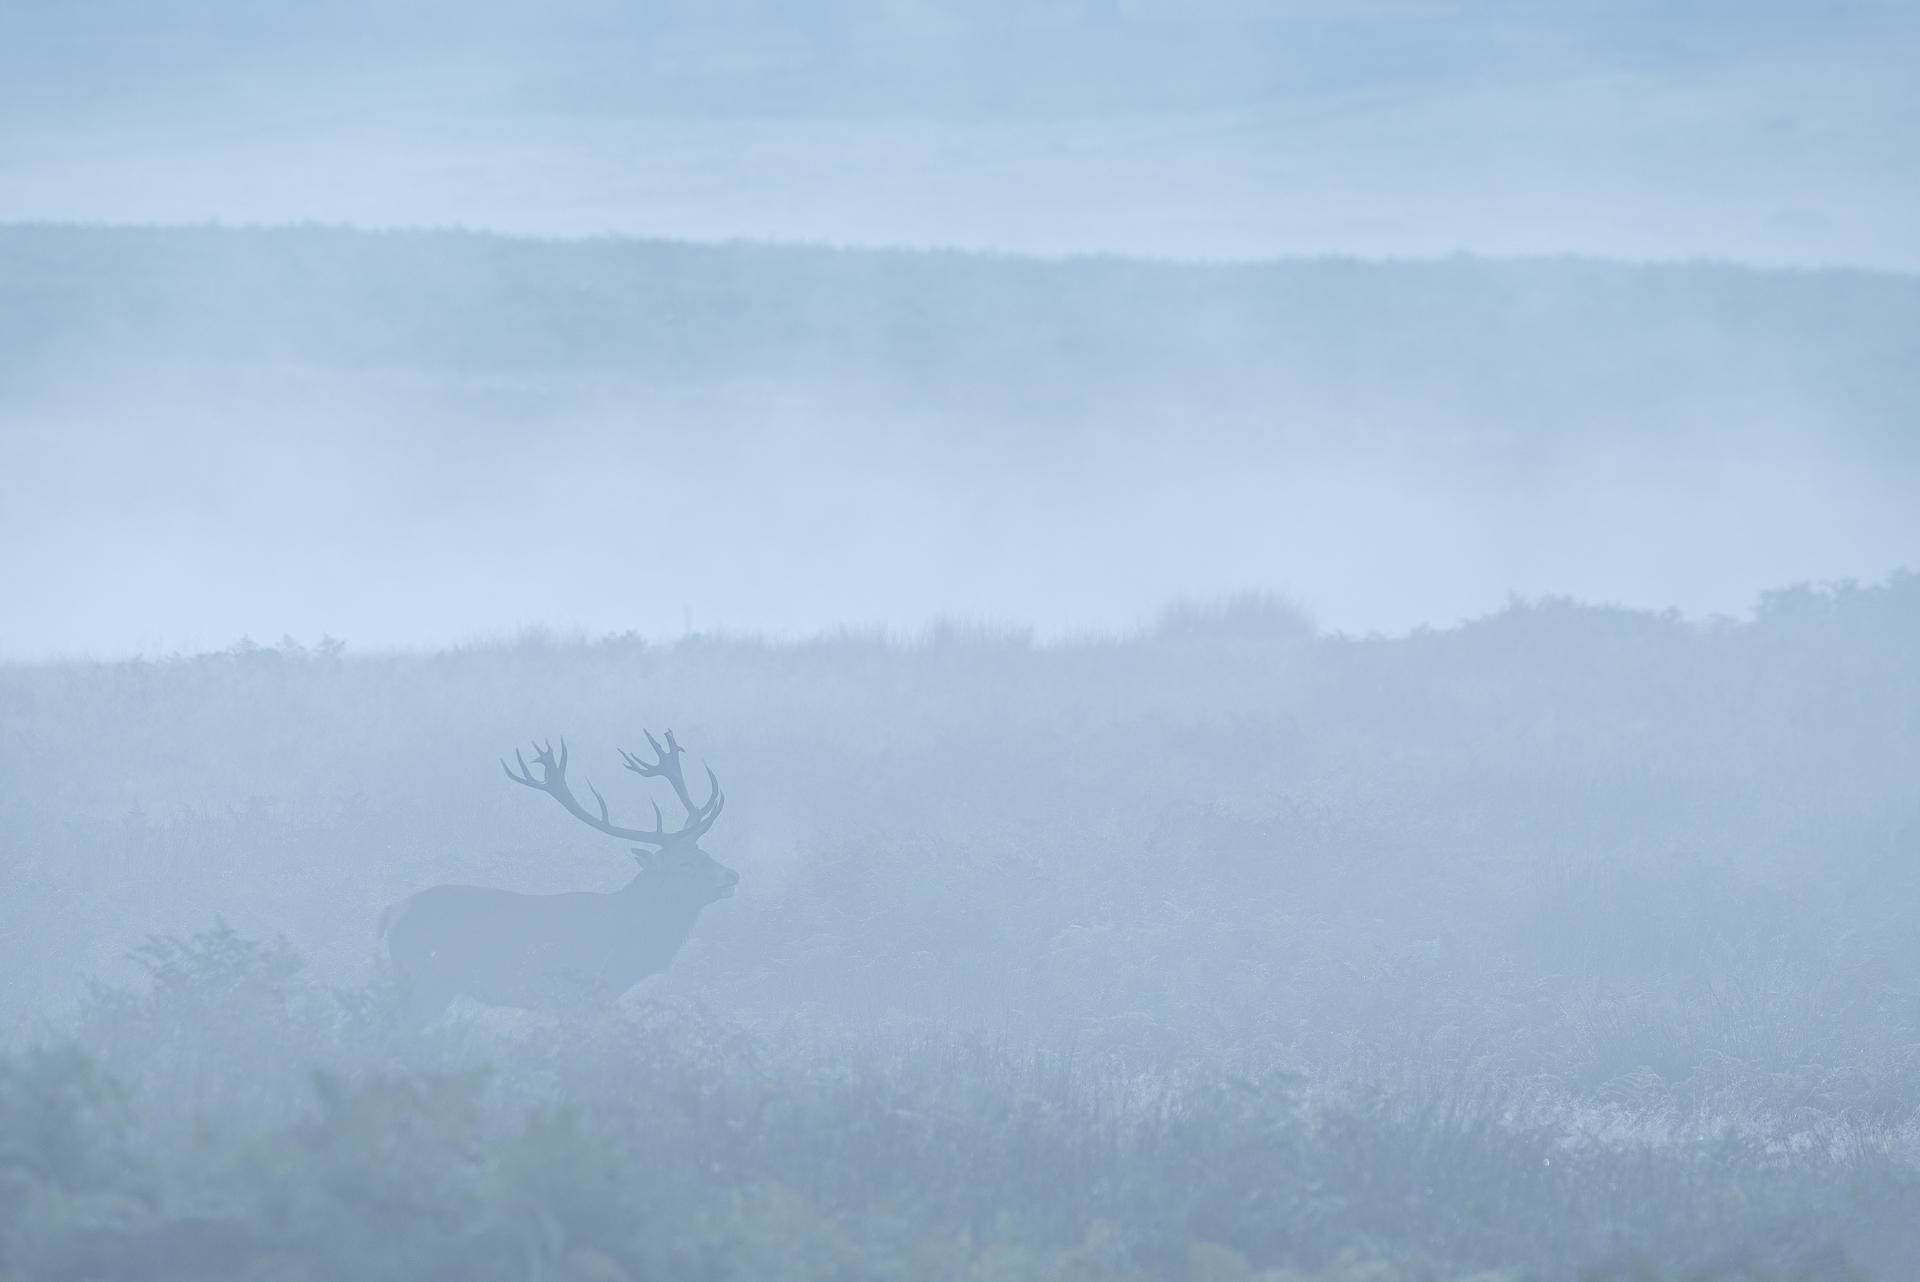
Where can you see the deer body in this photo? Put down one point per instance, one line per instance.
(502, 948)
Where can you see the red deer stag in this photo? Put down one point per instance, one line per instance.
(543, 951)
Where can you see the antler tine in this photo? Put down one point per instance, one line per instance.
(525, 776)
(659, 835)
(599, 801)
(665, 763)
(699, 823)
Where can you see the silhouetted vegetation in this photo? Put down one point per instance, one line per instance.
(1571, 942)
(663, 1142)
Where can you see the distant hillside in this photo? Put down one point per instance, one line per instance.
(1464, 353)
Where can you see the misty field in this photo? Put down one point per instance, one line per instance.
(1573, 942)
(959, 641)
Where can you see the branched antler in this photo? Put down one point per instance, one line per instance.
(666, 765)
(552, 780)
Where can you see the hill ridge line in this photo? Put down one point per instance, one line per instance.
(1571, 259)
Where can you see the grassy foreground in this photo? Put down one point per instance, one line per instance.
(664, 1143)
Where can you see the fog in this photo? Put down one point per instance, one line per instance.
(421, 438)
(1230, 642)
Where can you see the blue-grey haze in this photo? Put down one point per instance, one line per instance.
(1304, 610)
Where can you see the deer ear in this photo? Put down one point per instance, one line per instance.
(644, 856)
